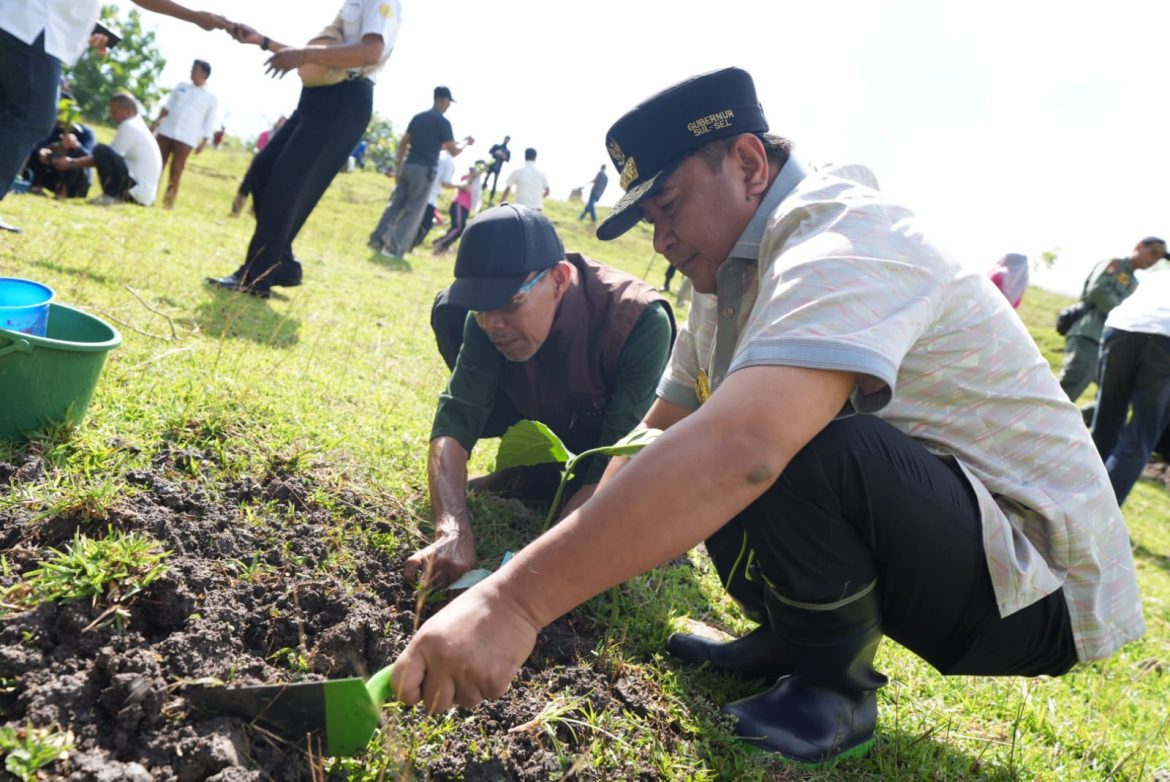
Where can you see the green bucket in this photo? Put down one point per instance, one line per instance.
(51, 379)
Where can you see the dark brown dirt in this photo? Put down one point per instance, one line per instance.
(247, 596)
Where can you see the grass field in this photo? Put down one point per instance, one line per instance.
(339, 379)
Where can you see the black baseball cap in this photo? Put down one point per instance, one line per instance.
(499, 249)
(652, 139)
(1155, 240)
(443, 92)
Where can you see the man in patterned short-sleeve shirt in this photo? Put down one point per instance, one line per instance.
(862, 430)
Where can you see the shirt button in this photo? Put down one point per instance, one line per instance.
(728, 311)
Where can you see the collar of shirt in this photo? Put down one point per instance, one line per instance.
(737, 273)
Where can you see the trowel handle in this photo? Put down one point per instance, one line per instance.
(378, 685)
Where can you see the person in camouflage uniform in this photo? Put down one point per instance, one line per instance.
(1107, 285)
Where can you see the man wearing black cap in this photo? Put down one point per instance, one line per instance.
(1109, 284)
(428, 133)
(557, 338)
(861, 430)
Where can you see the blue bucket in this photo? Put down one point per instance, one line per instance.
(24, 306)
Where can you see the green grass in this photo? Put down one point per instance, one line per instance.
(339, 377)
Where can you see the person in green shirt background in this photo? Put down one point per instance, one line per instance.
(531, 332)
(1107, 285)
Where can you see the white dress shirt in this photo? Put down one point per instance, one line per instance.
(1147, 310)
(67, 24)
(137, 146)
(831, 274)
(530, 185)
(190, 114)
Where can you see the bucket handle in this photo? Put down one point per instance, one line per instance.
(22, 345)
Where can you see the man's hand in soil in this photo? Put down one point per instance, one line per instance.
(466, 653)
(442, 562)
(653, 509)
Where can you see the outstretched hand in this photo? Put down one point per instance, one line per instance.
(210, 21)
(245, 34)
(467, 652)
(284, 61)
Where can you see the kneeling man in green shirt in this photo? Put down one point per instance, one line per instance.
(532, 332)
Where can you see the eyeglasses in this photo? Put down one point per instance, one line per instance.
(518, 298)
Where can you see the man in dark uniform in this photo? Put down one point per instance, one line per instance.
(428, 133)
(498, 155)
(1109, 284)
(557, 338)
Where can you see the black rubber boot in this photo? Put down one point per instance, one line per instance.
(758, 655)
(826, 710)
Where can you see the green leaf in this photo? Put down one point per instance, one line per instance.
(630, 444)
(530, 442)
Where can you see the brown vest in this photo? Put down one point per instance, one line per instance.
(566, 385)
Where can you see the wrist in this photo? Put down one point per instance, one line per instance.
(265, 42)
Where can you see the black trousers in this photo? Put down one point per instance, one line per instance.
(112, 172)
(70, 184)
(863, 503)
(294, 169)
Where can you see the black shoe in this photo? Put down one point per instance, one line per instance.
(232, 283)
(757, 655)
(806, 722)
(287, 275)
(827, 709)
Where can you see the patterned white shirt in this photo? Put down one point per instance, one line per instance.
(832, 275)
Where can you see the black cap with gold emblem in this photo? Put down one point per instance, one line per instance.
(650, 141)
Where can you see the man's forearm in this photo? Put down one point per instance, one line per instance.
(678, 491)
(447, 479)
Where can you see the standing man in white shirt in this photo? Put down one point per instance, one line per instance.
(292, 173)
(185, 124)
(130, 166)
(1134, 373)
(36, 37)
(531, 184)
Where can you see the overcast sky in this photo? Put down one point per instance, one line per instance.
(1011, 126)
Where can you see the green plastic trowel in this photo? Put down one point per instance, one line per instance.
(342, 712)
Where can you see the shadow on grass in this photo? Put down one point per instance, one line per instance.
(1153, 557)
(83, 272)
(390, 263)
(243, 317)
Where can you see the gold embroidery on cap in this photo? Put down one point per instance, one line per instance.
(716, 121)
(629, 173)
(615, 152)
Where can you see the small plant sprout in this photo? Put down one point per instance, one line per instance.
(528, 443)
(27, 750)
(112, 571)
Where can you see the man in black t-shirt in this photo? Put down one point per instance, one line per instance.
(498, 155)
(418, 158)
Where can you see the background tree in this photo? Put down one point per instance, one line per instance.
(382, 143)
(134, 65)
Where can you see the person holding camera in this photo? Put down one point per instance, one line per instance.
(428, 133)
(1109, 284)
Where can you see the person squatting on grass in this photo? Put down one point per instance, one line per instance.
(861, 430)
(36, 37)
(532, 332)
(292, 172)
(129, 167)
